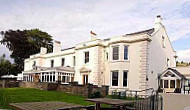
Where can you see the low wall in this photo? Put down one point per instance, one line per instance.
(36, 85)
(176, 101)
(8, 84)
(72, 88)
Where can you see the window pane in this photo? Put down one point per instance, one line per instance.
(125, 52)
(115, 53)
(115, 78)
(165, 83)
(107, 55)
(63, 62)
(52, 63)
(178, 83)
(86, 57)
(63, 79)
(73, 60)
(172, 83)
(125, 78)
(68, 79)
(50, 77)
(54, 77)
(42, 78)
(34, 64)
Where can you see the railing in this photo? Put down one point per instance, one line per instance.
(186, 89)
(147, 99)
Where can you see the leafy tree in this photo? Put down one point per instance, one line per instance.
(177, 62)
(181, 62)
(5, 65)
(23, 43)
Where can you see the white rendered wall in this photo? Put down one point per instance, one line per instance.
(158, 57)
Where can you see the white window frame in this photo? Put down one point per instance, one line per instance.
(117, 80)
(88, 57)
(127, 78)
(118, 52)
(124, 53)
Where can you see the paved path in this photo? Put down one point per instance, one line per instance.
(43, 105)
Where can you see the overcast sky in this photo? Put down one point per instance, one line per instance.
(70, 21)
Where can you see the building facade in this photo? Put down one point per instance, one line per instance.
(128, 62)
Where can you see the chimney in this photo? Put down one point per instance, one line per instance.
(43, 50)
(56, 46)
(158, 22)
(93, 35)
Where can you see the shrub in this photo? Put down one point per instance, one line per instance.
(96, 94)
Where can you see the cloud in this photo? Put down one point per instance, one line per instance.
(71, 21)
(184, 55)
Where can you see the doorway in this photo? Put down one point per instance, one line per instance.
(85, 79)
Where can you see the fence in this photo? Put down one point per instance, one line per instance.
(152, 102)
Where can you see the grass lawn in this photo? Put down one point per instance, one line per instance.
(16, 95)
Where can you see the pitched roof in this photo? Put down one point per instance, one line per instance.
(176, 72)
(67, 48)
(148, 31)
(39, 69)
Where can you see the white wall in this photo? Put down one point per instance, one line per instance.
(158, 56)
(176, 101)
(146, 58)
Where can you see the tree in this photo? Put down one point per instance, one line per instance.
(181, 62)
(5, 65)
(23, 43)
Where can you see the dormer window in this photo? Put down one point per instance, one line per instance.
(163, 42)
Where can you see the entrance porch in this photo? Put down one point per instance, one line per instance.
(172, 81)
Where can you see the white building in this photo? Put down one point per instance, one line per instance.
(131, 61)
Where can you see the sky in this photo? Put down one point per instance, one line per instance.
(70, 21)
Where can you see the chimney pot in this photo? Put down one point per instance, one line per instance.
(158, 22)
(43, 50)
(158, 16)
